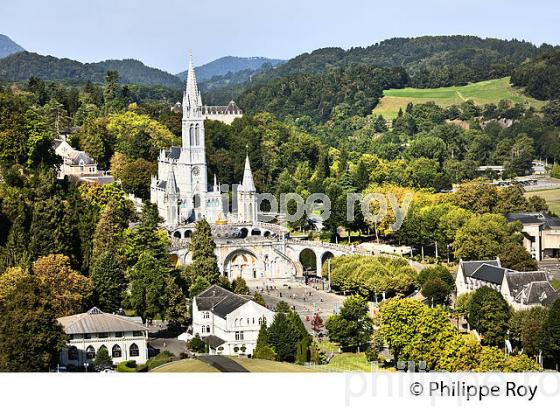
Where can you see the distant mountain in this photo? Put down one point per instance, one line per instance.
(8, 47)
(226, 65)
(136, 72)
(22, 65)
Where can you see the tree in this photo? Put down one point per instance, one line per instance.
(462, 304)
(516, 257)
(146, 236)
(202, 246)
(148, 287)
(109, 283)
(485, 236)
(283, 337)
(108, 235)
(199, 285)
(262, 349)
(258, 298)
(197, 345)
(9, 281)
(27, 315)
(527, 329)
(353, 327)
(177, 309)
(552, 332)
(102, 359)
(489, 314)
(69, 291)
(436, 291)
(240, 286)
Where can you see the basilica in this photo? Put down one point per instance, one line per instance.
(181, 189)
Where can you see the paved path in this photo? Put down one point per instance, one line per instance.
(223, 364)
(305, 299)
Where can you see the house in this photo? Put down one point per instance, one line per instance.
(125, 338)
(541, 233)
(522, 290)
(227, 322)
(78, 164)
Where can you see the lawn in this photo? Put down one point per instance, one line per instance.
(483, 92)
(348, 362)
(268, 366)
(186, 366)
(551, 196)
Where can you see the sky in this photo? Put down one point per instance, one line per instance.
(161, 33)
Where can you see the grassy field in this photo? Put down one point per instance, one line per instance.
(483, 92)
(348, 362)
(551, 196)
(267, 366)
(186, 366)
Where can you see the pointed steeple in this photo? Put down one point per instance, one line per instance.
(248, 185)
(192, 95)
(171, 187)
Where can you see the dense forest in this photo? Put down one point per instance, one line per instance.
(307, 80)
(540, 76)
(22, 66)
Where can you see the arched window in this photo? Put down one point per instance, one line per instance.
(191, 134)
(117, 352)
(208, 329)
(196, 135)
(90, 353)
(236, 322)
(72, 353)
(134, 352)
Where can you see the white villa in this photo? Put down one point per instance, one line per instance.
(229, 323)
(78, 164)
(125, 338)
(522, 290)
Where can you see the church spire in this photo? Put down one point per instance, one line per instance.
(248, 184)
(171, 187)
(192, 95)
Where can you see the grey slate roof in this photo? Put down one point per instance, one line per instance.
(539, 292)
(489, 273)
(96, 321)
(219, 300)
(469, 267)
(517, 280)
(213, 341)
(173, 152)
(529, 218)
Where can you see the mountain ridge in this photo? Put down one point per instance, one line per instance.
(8, 46)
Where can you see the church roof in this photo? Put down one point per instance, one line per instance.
(96, 321)
(173, 152)
(219, 300)
(248, 185)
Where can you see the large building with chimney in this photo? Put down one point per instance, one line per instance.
(181, 189)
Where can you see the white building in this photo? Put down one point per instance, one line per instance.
(181, 189)
(522, 290)
(222, 113)
(541, 233)
(125, 338)
(229, 323)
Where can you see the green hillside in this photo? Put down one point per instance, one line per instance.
(483, 92)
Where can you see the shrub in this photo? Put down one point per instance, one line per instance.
(128, 366)
(196, 344)
(162, 358)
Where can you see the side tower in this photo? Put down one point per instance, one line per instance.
(247, 210)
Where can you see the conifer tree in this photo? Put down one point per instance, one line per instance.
(109, 281)
(202, 246)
